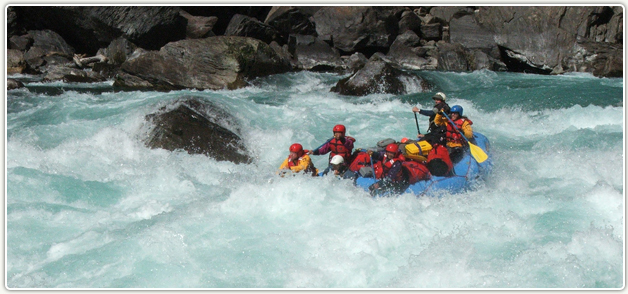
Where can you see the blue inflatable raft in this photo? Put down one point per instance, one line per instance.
(466, 172)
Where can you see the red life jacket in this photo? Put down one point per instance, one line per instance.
(438, 161)
(338, 148)
(453, 135)
(416, 171)
(382, 169)
(361, 160)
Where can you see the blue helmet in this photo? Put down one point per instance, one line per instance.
(456, 108)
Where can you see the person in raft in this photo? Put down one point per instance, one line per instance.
(453, 136)
(389, 168)
(339, 168)
(338, 145)
(439, 105)
(298, 161)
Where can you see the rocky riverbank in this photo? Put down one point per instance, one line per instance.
(226, 47)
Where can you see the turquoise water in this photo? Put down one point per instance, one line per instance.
(89, 206)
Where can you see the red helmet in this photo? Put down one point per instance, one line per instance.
(296, 147)
(392, 147)
(339, 129)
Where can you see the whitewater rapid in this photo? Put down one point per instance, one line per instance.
(88, 205)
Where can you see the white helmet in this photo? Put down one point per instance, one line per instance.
(440, 95)
(337, 159)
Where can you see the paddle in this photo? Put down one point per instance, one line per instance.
(322, 145)
(417, 123)
(478, 154)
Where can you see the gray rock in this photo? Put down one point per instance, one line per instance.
(546, 39)
(21, 42)
(51, 42)
(290, 20)
(600, 59)
(245, 26)
(445, 14)
(199, 26)
(355, 28)
(15, 62)
(402, 53)
(478, 60)
(225, 14)
(284, 53)
(466, 31)
(119, 50)
(215, 63)
(125, 81)
(35, 57)
(409, 22)
(433, 31)
(70, 75)
(378, 76)
(48, 48)
(355, 62)
(196, 126)
(452, 57)
(93, 27)
(14, 84)
(314, 54)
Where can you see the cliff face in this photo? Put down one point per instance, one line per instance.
(557, 38)
(532, 39)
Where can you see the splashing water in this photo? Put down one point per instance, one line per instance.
(89, 206)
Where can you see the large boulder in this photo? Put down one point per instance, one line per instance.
(246, 26)
(358, 28)
(379, 77)
(90, 28)
(71, 75)
(221, 62)
(21, 43)
(409, 21)
(15, 62)
(355, 62)
(290, 20)
(198, 127)
(405, 52)
(312, 53)
(225, 13)
(199, 26)
(452, 57)
(14, 84)
(118, 51)
(48, 48)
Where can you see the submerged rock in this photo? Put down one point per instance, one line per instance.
(14, 84)
(198, 127)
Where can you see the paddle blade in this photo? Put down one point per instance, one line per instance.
(477, 153)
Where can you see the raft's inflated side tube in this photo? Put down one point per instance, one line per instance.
(464, 173)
